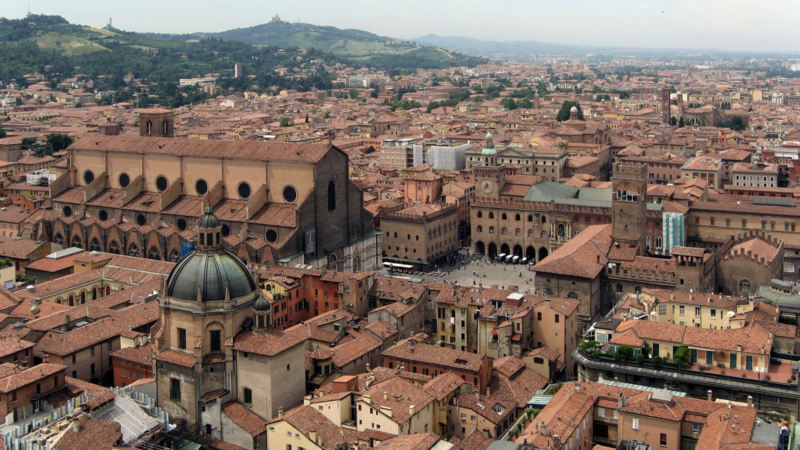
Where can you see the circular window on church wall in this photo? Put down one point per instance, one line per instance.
(124, 180)
(243, 190)
(272, 236)
(181, 224)
(102, 215)
(67, 211)
(289, 194)
(201, 187)
(226, 230)
(88, 176)
(161, 183)
(141, 219)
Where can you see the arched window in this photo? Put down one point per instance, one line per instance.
(491, 230)
(83, 297)
(530, 218)
(504, 231)
(480, 229)
(530, 233)
(94, 293)
(71, 300)
(480, 214)
(518, 232)
(619, 288)
(175, 256)
(572, 295)
(76, 241)
(94, 245)
(331, 196)
(165, 130)
(491, 215)
(113, 248)
(517, 217)
(133, 250)
(744, 286)
(504, 217)
(149, 128)
(548, 292)
(108, 290)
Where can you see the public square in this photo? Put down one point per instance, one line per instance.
(476, 270)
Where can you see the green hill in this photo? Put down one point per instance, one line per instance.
(58, 50)
(359, 47)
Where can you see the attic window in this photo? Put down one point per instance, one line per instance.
(461, 362)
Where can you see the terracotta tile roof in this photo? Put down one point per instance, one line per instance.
(13, 379)
(306, 419)
(175, 357)
(268, 344)
(246, 419)
(420, 441)
(62, 344)
(756, 248)
(518, 389)
(102, 434)
(582, 256)
(493, 409)
(413, 350)
(140, 355)
(399, 396)
(443, 385)
(239, 150)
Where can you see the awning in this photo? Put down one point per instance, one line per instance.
(494, 332)
(516, 337)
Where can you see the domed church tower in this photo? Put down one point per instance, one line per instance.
(209, 297)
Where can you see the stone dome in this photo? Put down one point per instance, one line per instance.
(206, 273)
(262, 305)
(209, 220)
(210, 273)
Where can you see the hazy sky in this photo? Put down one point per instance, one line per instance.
(766, 25)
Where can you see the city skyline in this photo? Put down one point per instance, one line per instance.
(733, 26)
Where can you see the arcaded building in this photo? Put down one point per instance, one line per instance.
(278, 203)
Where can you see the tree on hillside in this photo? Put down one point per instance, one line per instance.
(286, 122)
(353, 93)
(566, 107)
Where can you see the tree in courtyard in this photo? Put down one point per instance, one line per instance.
(565, 112)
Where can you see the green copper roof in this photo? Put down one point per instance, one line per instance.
(488, 151)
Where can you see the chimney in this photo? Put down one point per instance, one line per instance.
(749, 401)
(543, 429)
(577, 387)
(386, 395)
(488, 391)
(525, 440)
(280, 412)
(709, 395)
(76, 424)
(411, 409)
(312, 434)
(621, 401)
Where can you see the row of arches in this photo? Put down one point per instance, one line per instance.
(530, 252)
(154, 252)
(80, 299)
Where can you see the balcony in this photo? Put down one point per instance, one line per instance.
(605, 441)
(608, 420)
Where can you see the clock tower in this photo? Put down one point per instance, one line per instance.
(489, 175)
